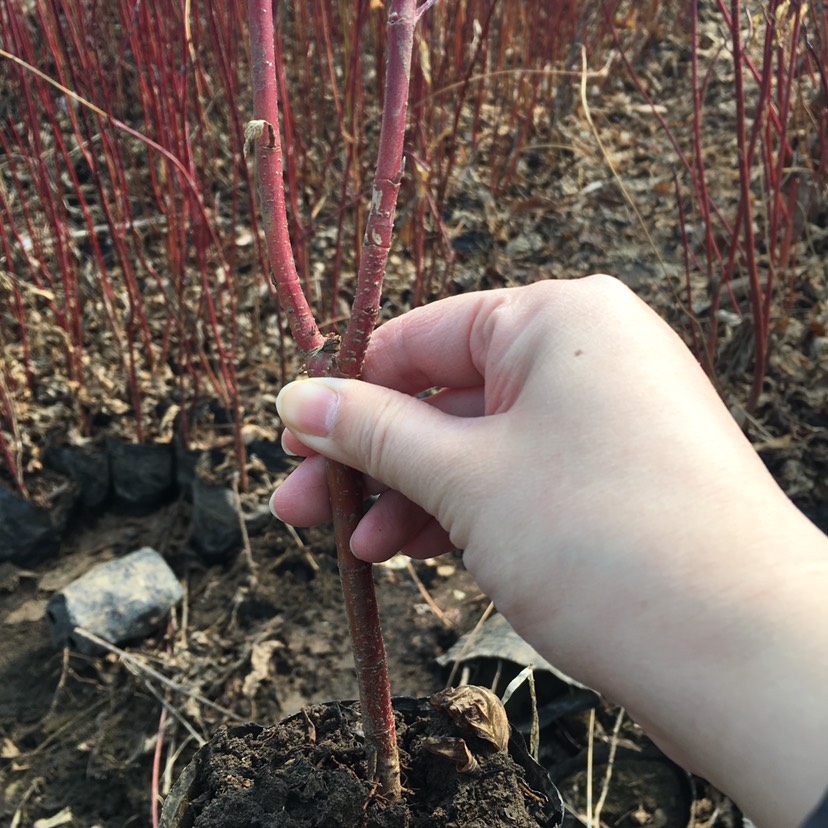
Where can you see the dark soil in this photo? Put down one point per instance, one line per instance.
(79, 736)
(79, 733)
(310, 771)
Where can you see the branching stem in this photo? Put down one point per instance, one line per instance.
(263, 133)
(329, 357)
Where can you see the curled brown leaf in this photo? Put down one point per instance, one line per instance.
(476, 710)
(454, 749)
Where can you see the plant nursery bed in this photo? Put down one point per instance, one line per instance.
(261, 635)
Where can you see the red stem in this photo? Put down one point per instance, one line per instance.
(380, 223)
(344, 485)
(745, 156)
(347, 498)
(703, 200)
(269, 164)
(295, 229)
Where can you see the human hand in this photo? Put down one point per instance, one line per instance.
(572, 420)
(603, 495)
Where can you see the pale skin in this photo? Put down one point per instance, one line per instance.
(610, 506)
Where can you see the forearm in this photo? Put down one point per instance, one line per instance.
(749, 701)
(726, 667)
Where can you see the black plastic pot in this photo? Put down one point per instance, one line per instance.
(310, 768)
(30, 532)
(215, 529)
(88, 467)
(143, 476)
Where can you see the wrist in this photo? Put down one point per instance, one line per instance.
(738, 693)
(715, 639)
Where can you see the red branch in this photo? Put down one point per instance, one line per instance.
(345, 486)
(347, 499)
(745, 152)
(380, 224)
(264, 132)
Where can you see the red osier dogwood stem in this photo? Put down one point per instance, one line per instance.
(329, 356)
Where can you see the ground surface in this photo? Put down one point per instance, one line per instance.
(79, 736)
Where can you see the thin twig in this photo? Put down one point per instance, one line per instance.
(172, 758)
(246, 550)
(156, 767)
(130, 660)
(456, 666)
(590, 757)
(118, 124)
(301, 544)
(617, 178)
(534, 733)
(176, 714)
(441, 616)
(18, 812)
(610, 765)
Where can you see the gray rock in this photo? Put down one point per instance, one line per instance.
(118, 601)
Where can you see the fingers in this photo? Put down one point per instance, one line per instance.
(430, 346)
(431, 541)
(412, 445)
(403, 442)
(302, 500)
(460, 402)
(391, 522)
(447, 343)
(292, 446)
(391, 525)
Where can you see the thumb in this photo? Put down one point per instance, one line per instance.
(397, 439)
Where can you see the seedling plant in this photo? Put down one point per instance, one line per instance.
(332, 356)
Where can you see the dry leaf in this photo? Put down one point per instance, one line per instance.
(260, 658)
(62, 817)
(454, 749)
(8, 749)
(497, 639)
(476, 710)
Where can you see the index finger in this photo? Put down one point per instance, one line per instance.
(431, 346)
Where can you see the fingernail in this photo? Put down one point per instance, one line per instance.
(283, 442)
(308, 406)
(272, 508)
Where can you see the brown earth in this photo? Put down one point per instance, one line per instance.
(81, 735)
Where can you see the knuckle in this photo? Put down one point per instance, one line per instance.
(606, 289)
